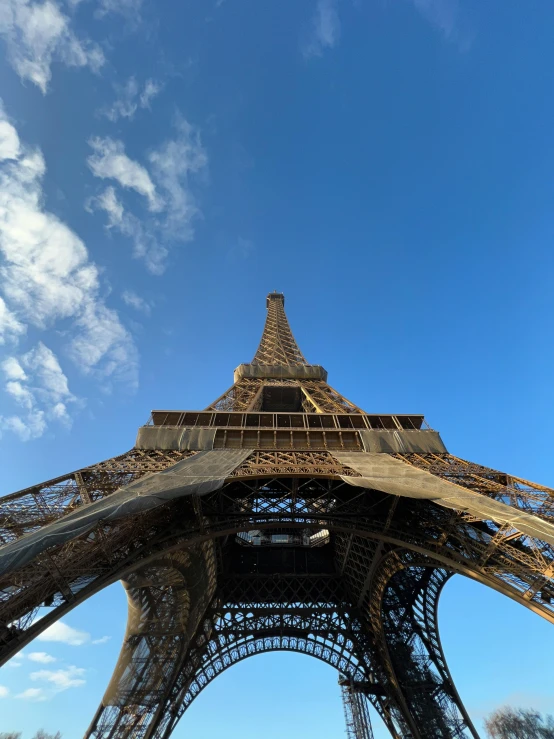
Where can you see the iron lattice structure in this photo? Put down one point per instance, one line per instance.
(282, 517)
(356, 709)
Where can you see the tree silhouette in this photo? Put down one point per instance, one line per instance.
(41, 734)
(519, 723)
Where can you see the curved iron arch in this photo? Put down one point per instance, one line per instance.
(472, 546)
(171, 538)
(219, 662)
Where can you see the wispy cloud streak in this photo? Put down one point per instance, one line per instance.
(109, 161)
(325, 29)
(37, 383)
(443, 14)
(62, 632)
(167, 187)
(133, 300)
(130, 98)
(37, 34)
(62, 679)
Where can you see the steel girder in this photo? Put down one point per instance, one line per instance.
(373, 615)
(148, 696)
(399, 591)
(284, 616)
(518, 566)
(408, 638)
(356, 713)
(166, 601)
(318, 396)
(278, 345)
(358, 520)
(255, 614)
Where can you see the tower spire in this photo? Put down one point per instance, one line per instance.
(278, 355)
(278, 345)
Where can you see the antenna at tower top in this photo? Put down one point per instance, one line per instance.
(274, 296)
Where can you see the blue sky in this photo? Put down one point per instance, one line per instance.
(387, 165)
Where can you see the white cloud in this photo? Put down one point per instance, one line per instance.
(46, 273)
(46, 276)
(40, 363)
(32, 694)
(133, 300)
(70, 677)
(145, 244)
(36, 382)
(10, 327)
(126, 104)
(4, 692)
(37, 34)
(168, 189)
(441, 13)
(109, 161)
(43, 657)
(61, 632)
(22, 395)
(325, 29)
(110, 204)
(151, 90)
(128, 8)
(102, 338)
(32, 426)
(13, 369)
(173, 164)
(9, 141)
(131, 98)
(102, 640)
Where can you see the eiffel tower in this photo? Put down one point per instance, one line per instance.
(281, 517)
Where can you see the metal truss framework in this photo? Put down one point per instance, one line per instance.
(285, 555)
(278, 346)
(356, 713)
(318, 397)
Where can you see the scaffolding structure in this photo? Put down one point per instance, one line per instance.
(356, 710)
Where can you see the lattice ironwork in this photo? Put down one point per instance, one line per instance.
(482, 549)
(514, 491)
(283, 554)
(256, 614)
(272, 462)
(408, 637)
(242, 396)
(325, 399)
(278, 345)
(356, 709)
(32, 508)
(318, 396)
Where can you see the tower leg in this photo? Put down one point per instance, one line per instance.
(167, 600)
(413, 655)
(234, 629)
